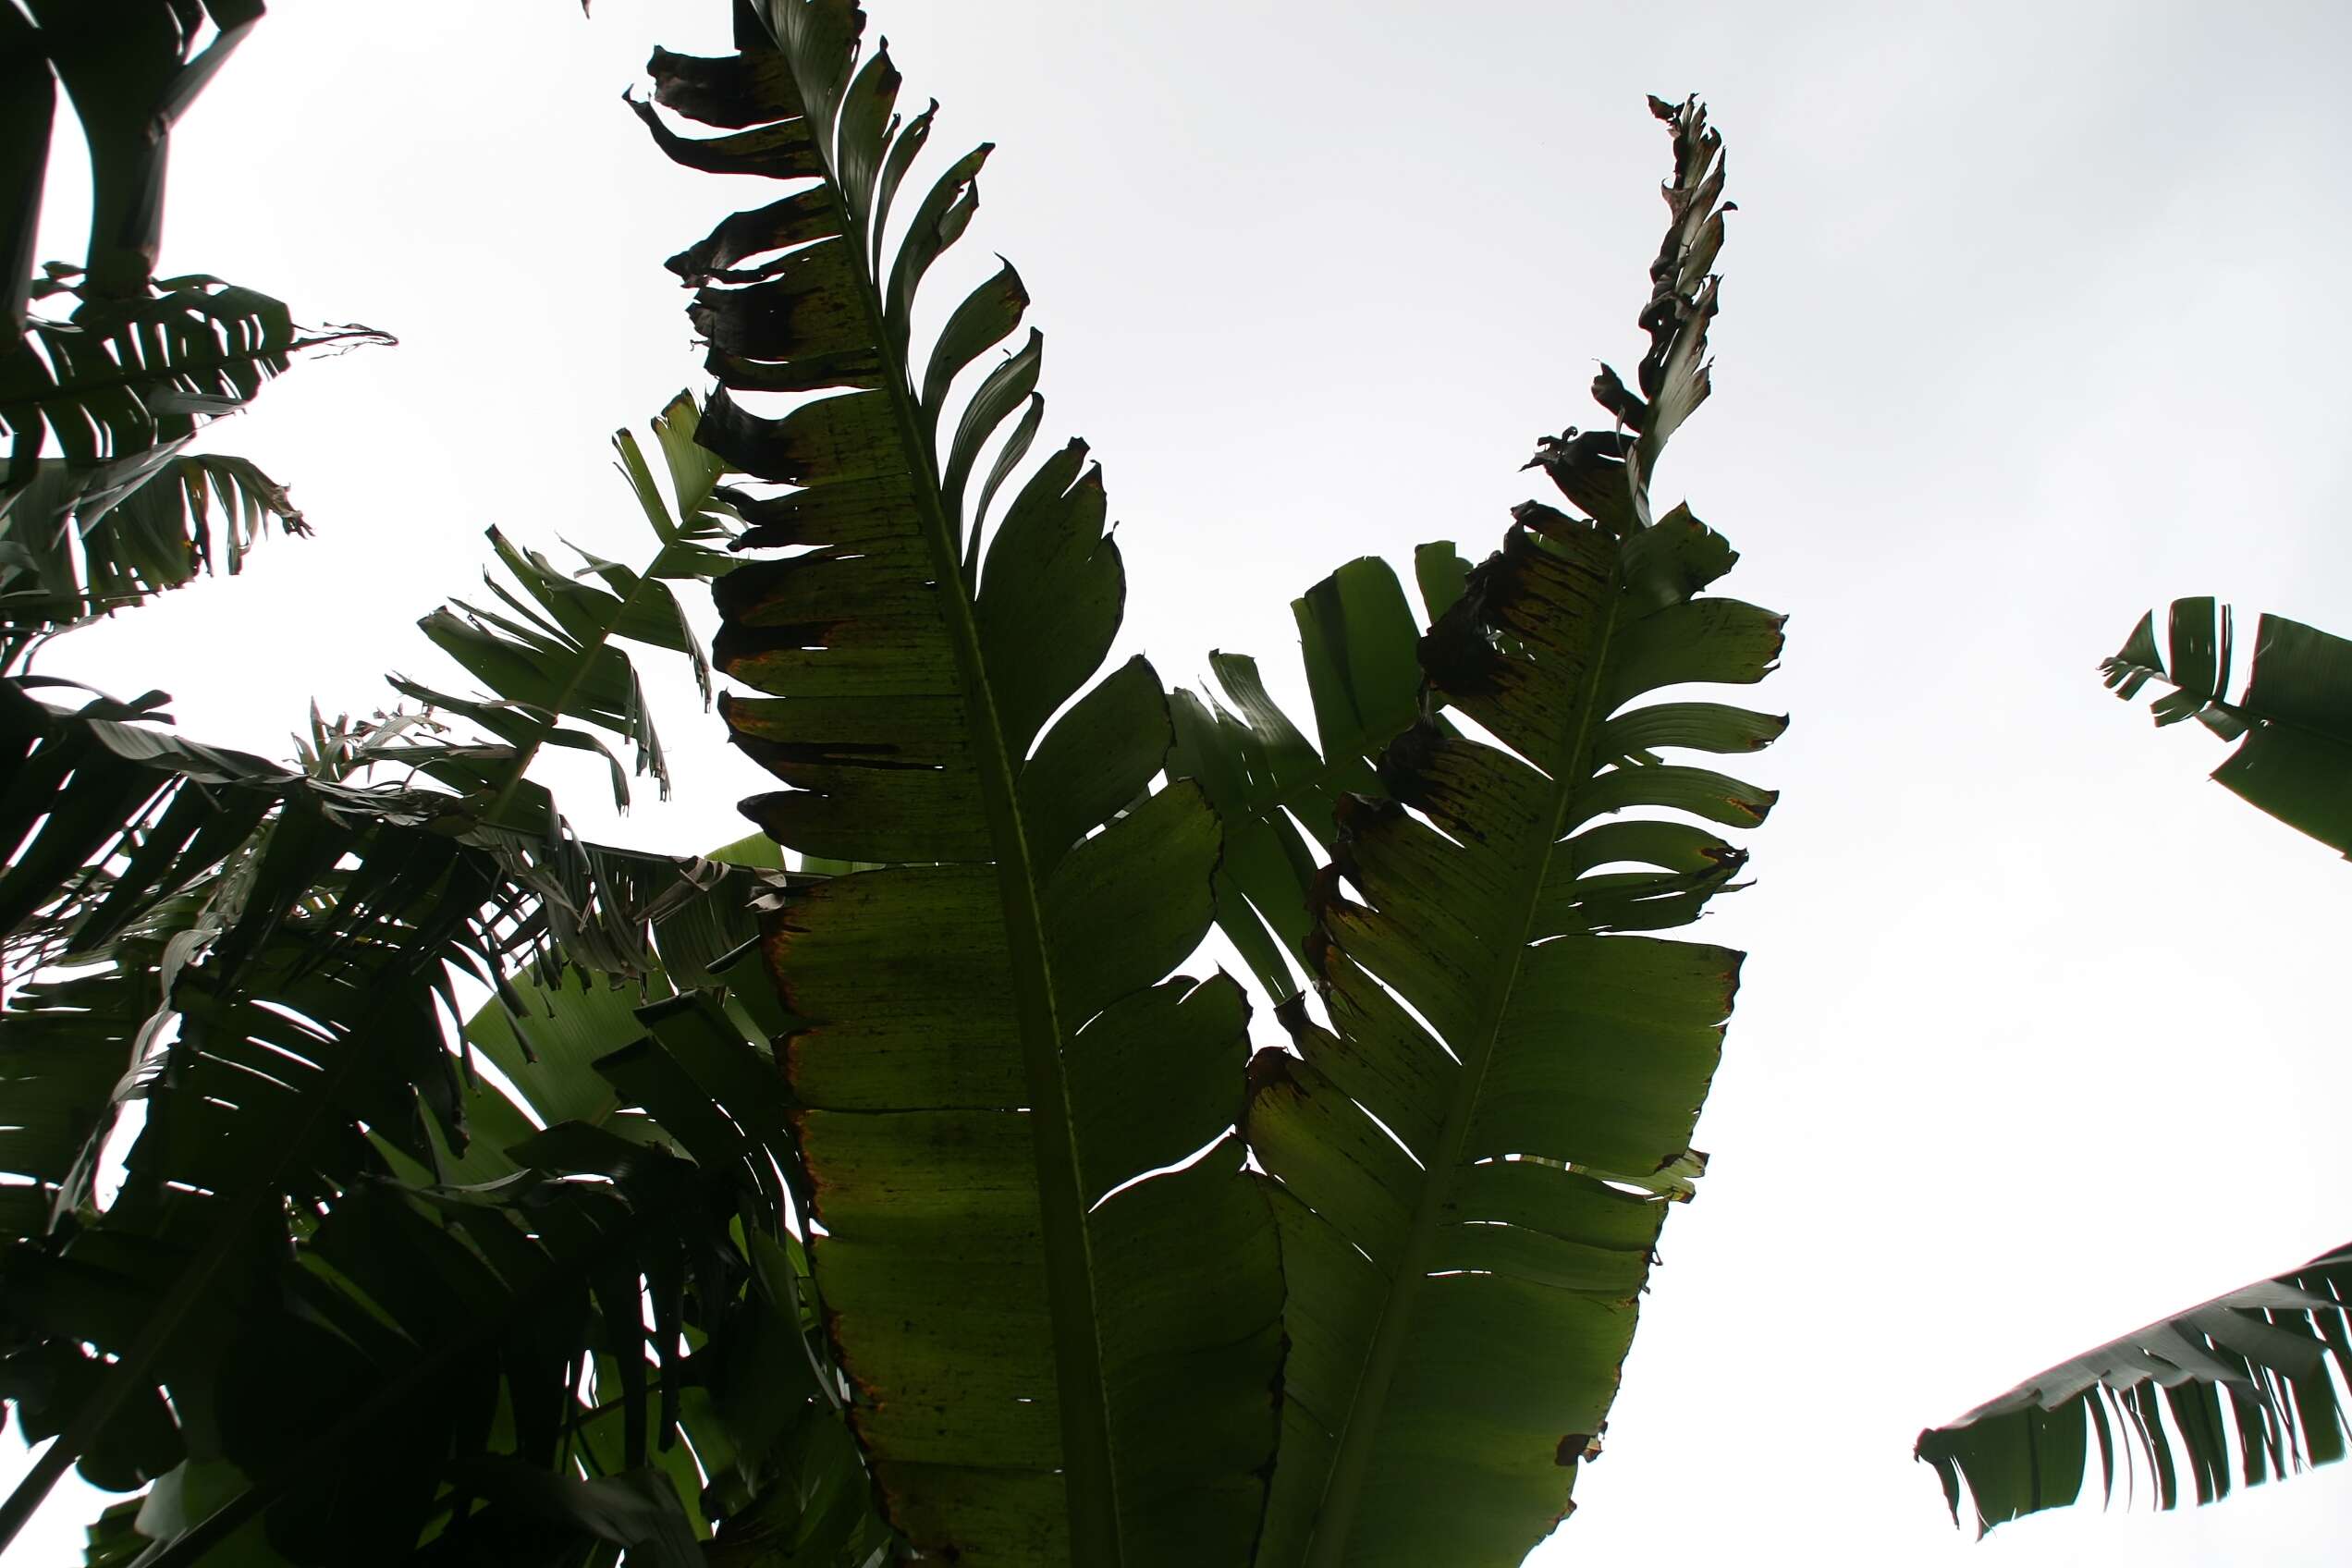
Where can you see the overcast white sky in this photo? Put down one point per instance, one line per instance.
(2026, 329)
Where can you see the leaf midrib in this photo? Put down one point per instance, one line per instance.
(1343, 1491)
(1095, 1534)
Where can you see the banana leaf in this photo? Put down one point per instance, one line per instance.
(1047, 1276)
(1474, 1142)
(2244, 1378)
(2293, 722)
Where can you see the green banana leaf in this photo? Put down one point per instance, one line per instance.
(1045, 1271)
(2293, 723)
(1474, 1148)
(2266, 1347)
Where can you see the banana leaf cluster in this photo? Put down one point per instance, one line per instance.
(276, 1250)
(347, 1287)
(334, 1271)
(1101, 1294)
(926, 1198)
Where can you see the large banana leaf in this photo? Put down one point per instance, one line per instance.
(2266, 1346)
(2293, 722)
(1472, 1155)
(1061, 1317)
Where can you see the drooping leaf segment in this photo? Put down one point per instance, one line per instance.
(2252, 1365)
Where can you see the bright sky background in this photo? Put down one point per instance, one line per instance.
(2025, 330)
